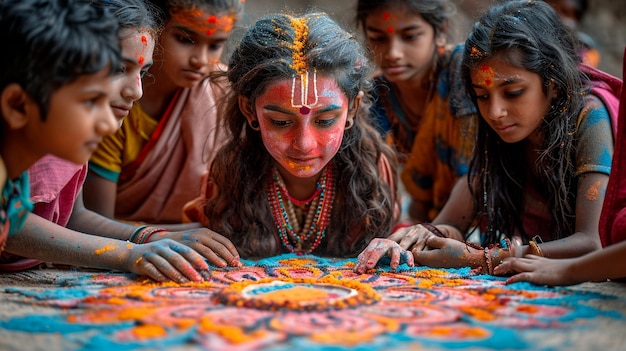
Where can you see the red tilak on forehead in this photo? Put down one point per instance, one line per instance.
(485, 75)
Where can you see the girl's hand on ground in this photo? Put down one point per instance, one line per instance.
(214, 247)
(166, 260)
(538, 270)
(447, 253)
(379, 248)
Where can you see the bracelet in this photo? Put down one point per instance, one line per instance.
(488, 261)
(136, 231)
(535, 249)
(147, 233)
(431, 228)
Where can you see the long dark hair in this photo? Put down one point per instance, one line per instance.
(528, 34)
(363, 207)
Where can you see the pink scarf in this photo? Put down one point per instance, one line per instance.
(612, 225)
(170, 173)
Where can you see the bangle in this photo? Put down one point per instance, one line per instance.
(488, 261)
(431, 228)
(146, 233)
(136, 231)
(535, 249)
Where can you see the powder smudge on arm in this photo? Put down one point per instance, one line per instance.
(592, 191)
(105, 249)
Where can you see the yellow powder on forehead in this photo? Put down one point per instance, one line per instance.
(301, 30)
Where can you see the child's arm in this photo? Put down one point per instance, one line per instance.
(100, 194)
(213, 246)
(589, 200)
(608, 263)
(162, 260)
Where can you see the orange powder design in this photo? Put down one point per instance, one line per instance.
(592, 192)
(233, 334)
(343, 337)
(149, 331)
(300, 293)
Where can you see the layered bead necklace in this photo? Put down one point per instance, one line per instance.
(302, 239)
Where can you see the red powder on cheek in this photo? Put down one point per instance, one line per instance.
(141, 60)
(144, 40)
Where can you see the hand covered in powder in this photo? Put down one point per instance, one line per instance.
(213, 246)
(379, 248)
(166, 260)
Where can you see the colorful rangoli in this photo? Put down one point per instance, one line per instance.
(294, 302)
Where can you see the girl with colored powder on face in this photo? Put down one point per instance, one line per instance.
(56, 232)
(608, 263)
(152, 166)
(303, 169)
(420, 102)
(539, 173)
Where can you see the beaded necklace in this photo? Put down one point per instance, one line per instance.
(302, 239)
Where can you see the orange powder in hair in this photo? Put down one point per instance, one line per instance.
(301, 30)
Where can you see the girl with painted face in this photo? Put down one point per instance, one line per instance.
(543, 153)
(303, 170)
(150, 168)
(421, 104)
(56, 189)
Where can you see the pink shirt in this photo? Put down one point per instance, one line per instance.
(54, 186)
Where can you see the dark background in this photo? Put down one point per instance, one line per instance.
(605, 21)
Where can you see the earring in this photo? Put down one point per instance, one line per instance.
(349, 123)
(254, 124)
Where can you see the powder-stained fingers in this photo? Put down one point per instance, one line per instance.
(375, 250)
(215, 248)
(146, 267)
(174, 267)
(176, 260)
(222, 251)
(398, 257)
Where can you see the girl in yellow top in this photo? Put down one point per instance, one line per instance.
(152, 166)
